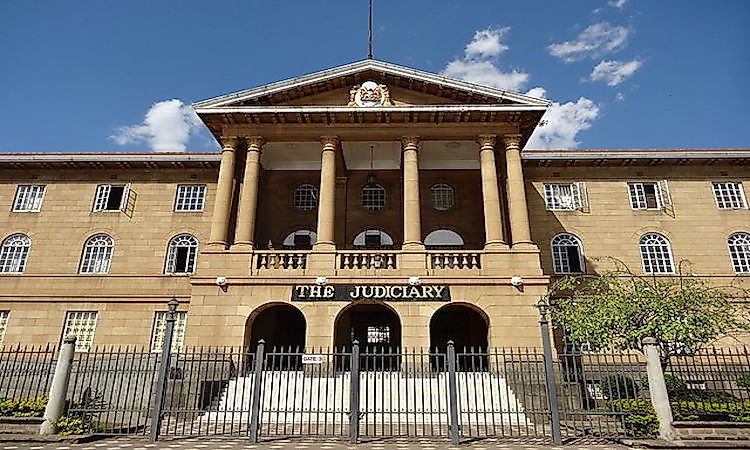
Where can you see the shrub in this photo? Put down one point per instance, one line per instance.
(68, 425)
(638, 416)
(743, 381)
(676, 387)
(618, 386)
(23, 407)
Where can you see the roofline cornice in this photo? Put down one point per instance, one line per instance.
(364, 110)
(636, 154)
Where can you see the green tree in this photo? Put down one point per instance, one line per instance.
(618, 308)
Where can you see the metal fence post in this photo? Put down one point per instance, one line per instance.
(657, 388)
(549, 372)
(59, 389)
(161, 378)
(354, 395)
(257, 385)
(452, 393)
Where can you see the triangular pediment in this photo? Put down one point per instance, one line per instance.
(401, 86)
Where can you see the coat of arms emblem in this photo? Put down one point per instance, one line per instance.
(369, 93)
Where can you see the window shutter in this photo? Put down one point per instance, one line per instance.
(100, 199)
(664, 197)
(582, 199)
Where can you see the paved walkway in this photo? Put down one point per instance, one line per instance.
(288, 444)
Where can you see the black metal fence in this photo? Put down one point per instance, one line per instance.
(26, 371)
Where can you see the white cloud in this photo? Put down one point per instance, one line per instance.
(596, 40)
(620, 97)
(167, 127)
(614, 72)
(619, 4)
(480, 65)
(562, 123)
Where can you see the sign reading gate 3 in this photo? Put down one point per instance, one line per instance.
(387, 292)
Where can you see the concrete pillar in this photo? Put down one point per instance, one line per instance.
(518, 211)
(412, 212)
(244, 237)
(657, 387)
(493, 221)
(223, 200)
(327, 201)
(59, 389)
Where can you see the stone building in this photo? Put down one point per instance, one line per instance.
(369, 201)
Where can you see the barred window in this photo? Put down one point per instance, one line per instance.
(656, 254)
(729, 195)
(29, 198)
(739, 251)
(14, 252)
(567, 254)
(160, 329)
(305, 197)
(380, 334)
(97, 254)
(3, 324)
(190, 197)
(110, 197)
(443, 196)
(181, 254)
(565, 196)
(373, 197)
(81, 324)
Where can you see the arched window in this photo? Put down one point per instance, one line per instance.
(567, 254)
(443, 197)
(181, 254)
(373, 240)
(300, 240)
(373, 197)
(14, 252)
(739, 251)
(443, 240)
(305, 197)
(97, 254)
(656, 254)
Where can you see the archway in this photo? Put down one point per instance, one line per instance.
(377, 327)
(465, 325)
(280, 325)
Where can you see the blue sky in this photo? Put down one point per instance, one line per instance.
(83, 75)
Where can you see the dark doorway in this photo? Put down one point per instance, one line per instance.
(283, 329)
(378, 330)
(467, 327)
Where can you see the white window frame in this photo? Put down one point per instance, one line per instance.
(190, 198)
(302, 196)
(176, 242)
(739, 251)
(553, 196)
(560, 259)
(29, 197)
(82, 324)
(97, 259)
(729, 194)
(637, 194)
(4, 318)
(101, 197)
(442, 196)
(656, 258)
(14, 253)
(159, 328)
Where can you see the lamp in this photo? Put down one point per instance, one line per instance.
(543, 307)
(371, 180)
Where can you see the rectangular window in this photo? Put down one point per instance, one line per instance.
(644, 195)
(29, 198)
(379, 334)
(729, 195)
(3, 324)
(82, 324)
(160, 328)
(110, 197)
(565, 196)
(190, 197)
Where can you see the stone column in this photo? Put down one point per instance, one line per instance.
(517, 208)
(493, 220)
(223, 199)
(327, 201)
(412, 212)
(657, 388)
(245, 233)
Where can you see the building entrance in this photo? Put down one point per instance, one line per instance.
(281, 326)
(467, 327)
(377, 328)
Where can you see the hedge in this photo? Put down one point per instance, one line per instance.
(23, 407)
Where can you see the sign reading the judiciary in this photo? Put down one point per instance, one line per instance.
(387, 292)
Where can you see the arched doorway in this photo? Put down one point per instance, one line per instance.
(465, 325)
(377, 327)
(280, 325)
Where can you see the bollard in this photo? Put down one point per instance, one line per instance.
(657, 387)
(59, 389)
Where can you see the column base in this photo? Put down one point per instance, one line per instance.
(412, 246)
(242, 247)
(324, 247)
(525, 245)
(217, 246)
(495, 246)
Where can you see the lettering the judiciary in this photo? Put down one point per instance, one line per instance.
(365, 292)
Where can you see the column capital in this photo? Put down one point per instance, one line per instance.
(229, 143)
(511, 140)
(255, 143)
(410, 142)
(486, 141)
(329, 141)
